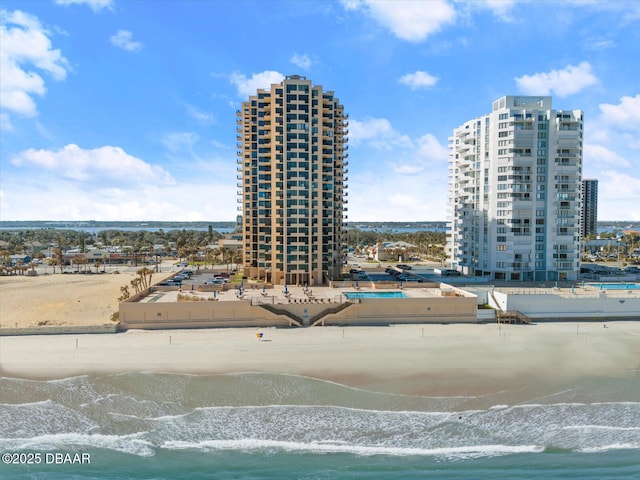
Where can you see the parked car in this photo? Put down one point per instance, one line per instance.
(450, 273)
(402, 266)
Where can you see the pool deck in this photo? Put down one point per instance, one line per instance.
(169, 307)
(323, 294)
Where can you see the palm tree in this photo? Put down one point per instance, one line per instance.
(215, 253)
(135, 283)
(223, 252)
(144, 279)
(58, 254)
(6, 255)
(125, 293)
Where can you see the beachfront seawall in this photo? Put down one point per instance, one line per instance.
(198, 315)
(405, 310)
(260, 313)
(60, 330)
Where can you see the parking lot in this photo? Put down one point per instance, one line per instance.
(187, 278)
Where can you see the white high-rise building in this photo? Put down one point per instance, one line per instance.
(514, 192)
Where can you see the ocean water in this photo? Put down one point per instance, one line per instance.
(261, 426)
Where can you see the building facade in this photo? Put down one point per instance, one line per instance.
(514, 192)
(292, 180)
(589, 217)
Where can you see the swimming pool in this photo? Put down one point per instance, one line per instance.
(352, 295)
(616, 286)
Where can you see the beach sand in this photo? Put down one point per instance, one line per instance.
(508, 361)
(513, 362)
(57, 299)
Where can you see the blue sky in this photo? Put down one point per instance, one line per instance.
(125, 110)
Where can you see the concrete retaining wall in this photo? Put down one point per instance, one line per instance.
(60, 330)
(201, 314)
(373, 311)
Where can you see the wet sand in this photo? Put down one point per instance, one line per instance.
(428, 360)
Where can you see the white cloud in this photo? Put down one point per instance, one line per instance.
(180, 142)
(106, 183)
(562, 83)
(95, 5)
(418, 80)
(5, 122)
(302, 61)
(428, 154)
(97, 165)
(624, 116)
(249, 86)
(404, 178)
(597, 155)
(500, 8)
(199, 115)
(406, 19)
(124, 39)
(377, 133)
(25, 47)
(622, 193)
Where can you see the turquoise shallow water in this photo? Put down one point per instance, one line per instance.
(258, 426)
(351, 295)
(616, 286)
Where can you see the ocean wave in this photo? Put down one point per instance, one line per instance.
(251, 444)
(600, 427)
(133, 444)
(41, 403)
(613, 446)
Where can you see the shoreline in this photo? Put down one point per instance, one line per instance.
(514, 362)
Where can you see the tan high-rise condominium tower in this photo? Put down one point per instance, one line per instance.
(292, 174)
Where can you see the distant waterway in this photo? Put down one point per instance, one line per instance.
(96, 230)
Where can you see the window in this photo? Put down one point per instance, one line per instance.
(501, 248)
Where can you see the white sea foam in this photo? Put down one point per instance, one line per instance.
(133, 444)
(27, 404)
(250, 444)
(600, 427)
(613, 446)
